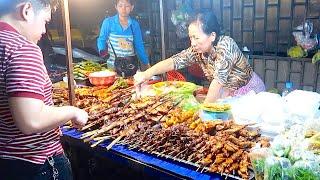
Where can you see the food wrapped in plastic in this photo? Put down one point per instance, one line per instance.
(305, 170)
(189, 103)
(302, 154)
(295, 131)
(303, 35)
(277, 168)
(309, 156)
(312, 127)
(302, 104)
(315, 143)
(281, 146)
(257, 158)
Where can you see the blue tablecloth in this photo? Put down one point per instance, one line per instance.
(150, 159)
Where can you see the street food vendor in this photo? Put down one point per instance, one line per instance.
(30, 146)
(120, 41)
(220, 58)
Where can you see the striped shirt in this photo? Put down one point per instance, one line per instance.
(23, 74)
(122, 46)
(123, 39)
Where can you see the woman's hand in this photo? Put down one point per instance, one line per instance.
(140, 77)
(80, 118)
(214, 92)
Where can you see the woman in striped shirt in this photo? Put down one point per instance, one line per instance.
(220, 58)
(30, 145)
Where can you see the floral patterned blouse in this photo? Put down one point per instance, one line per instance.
(225, 63)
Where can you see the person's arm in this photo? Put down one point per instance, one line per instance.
(27, 85)
(213, 92)
(103, 36)
(138, 44)
(178, 61)
(159, 68)
(33, 116)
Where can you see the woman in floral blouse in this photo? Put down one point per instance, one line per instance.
(220, 58)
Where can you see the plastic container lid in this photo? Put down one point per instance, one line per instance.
(209, 116)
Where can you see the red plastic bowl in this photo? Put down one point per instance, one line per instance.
(102, 78)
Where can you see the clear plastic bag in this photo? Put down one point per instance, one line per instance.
(303, 36)
(296, 155)
(277, 168)
(304, 42)
(281, 146)
(258, 158)
(302, 170)
(189, 103)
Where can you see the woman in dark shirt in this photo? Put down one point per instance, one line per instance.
(220, 58)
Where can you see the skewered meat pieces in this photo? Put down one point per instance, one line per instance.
(243, 166)
(225, 125)
(249, 134)
(219, 159)
(207, 160)
(234, 128)
(233, 167)
(229, 146)
(264, 141)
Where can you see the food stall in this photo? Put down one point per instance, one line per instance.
(166, 132)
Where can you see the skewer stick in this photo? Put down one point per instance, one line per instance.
(202, 170)
(180, 153)
(96, 143)
(103, 137)
(114, 142)
(69, 123)
(87, 134)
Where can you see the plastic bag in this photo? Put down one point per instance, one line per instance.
(280, 146)
(302, 35)
(189, 103)
(302, 104)
(257, 158)
(311, 127)
(277, 168)
(305, 170)
(242, 110)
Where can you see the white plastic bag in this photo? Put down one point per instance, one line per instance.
(302, 104)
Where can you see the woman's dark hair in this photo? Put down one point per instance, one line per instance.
(208, 22)
(130, 1)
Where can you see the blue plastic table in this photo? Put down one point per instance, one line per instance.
(172, 167)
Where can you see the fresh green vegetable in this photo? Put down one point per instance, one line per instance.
(274, 172)
(258, 168)
(274, 90)
(299, 173)
(258, 164)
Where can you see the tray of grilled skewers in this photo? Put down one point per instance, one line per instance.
(157, 125)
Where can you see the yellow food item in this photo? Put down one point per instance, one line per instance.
(216, 107)
(297, 52)
(316, 57)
